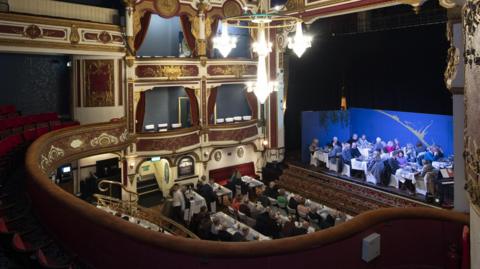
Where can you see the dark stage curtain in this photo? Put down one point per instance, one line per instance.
(140, 113)
(252, 103)
(193, 106)
(187, 33)
(211, 104)
(144, 22)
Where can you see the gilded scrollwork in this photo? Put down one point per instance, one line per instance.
(453, 59)
(104, 140)
(53, 154)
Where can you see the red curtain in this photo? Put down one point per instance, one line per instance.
(144, 22)
(212, 99)
(187, 33)
(253, 104)
(140, 113)
(193, 106)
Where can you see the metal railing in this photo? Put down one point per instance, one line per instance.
(131, 208)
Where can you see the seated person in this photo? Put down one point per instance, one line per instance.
(419, 148)
(244, 207)
(282, 198)
(393, 162)
(328, 222)
(266, 224)
(263, 199)
(410, 153)
(334, 143)
(354, 151)
(223, 235)
(288, 228)
(334, 154)
(204, 230)
(363, 142)
(241, 236)
(302, 210)
(378, 146)
(396, 144)
(215, 227)
(426, 167)
(353, 139)
(197, 219)
(433, 154)
(402, 161)
(346, 154)
(272, 190)
(294, 201)
(237, 201)
(390, 147)
(302, 229)
(313, 146)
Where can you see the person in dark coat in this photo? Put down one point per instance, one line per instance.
(266, 225)
(206, 191)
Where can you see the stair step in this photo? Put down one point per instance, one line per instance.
(148, 192)
(147, 186)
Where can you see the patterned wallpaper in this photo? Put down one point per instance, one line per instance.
(35, 83)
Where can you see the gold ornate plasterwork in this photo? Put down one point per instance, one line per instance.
(472, 162)
(167, 8)
(74, 35)
(104, 140)
(33, 31)
(453, 59)
(231, 8)
(53, 154)
(172, 72)
(294, 4)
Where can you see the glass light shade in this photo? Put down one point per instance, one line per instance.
(261, 46)
(224, 43)
(300, 42)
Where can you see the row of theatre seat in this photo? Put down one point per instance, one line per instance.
(24, 242)
(17, 132)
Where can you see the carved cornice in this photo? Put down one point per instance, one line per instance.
(49, 33)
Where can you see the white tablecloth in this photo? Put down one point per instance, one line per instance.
(364, 151)
(440, 165)
(221, 191)
(196, 202)
(252, 183)
(236, 226)
(402, 174)
(359, 165)
(320, 156)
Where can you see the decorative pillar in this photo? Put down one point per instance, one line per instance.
(201, 29)
(129, 33)
(471, 28)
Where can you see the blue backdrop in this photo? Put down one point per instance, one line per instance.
(407, 127)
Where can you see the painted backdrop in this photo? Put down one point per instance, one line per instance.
(407, 127)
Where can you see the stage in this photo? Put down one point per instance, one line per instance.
(350, 195)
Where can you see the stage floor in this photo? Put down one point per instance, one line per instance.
(392, 190)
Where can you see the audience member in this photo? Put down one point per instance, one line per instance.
(346, 154)
(410, 153)
(378, 146)
(354, 151)
(272, 190)
(197, 219)
(178, 203)
(390, 147)
(206, 191)
(244, 208)
(266, 224)
(288, 228)
(396, 144)
(223, 234)
(334, 143)
(294, 201)
(237, 201)
(353, 139)
(282, 198)
(402, 161)
(363, 142)
(301, 229)
(313, 146)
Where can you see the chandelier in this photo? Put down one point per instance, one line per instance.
(260, 23)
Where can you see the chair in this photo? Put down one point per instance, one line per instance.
(370, 178)
(250, 222)
(346, 170)
(393, 181)
(333, 164)
(273, 202)
(231, 210)
(291, 211)
(242, 217)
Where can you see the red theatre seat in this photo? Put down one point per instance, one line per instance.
(221, 175)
